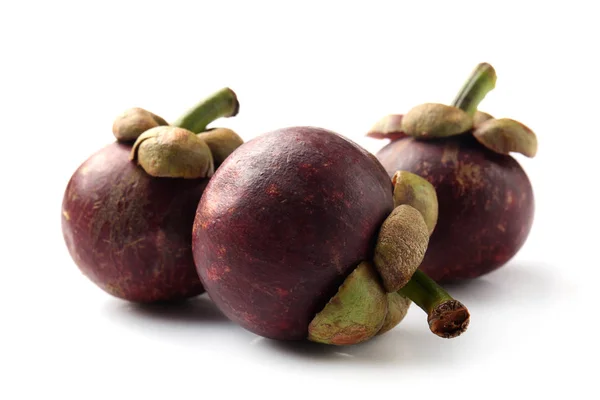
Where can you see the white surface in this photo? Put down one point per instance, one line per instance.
(68, 68)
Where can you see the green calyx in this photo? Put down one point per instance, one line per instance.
(186, 149)
(480, 117)
(400, 248)
(222, 142)
(356, 313)
(434, 120)
(505, 136)
(128, 126)
(376, 296)
(171, 152)
(401, 244)
(398, 306)
(388, 127)
(415, 191)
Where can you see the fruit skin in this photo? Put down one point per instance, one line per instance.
(486, 203)
(130, 233)
(282, 222)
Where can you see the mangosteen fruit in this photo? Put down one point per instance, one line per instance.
(297, 237)
(128, 210)
(486, 201)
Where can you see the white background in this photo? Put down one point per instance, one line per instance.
(67, 68)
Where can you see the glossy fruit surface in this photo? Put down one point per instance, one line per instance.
(130, 233)
(282, 223)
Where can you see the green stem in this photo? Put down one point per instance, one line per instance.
(223, 103)
(447, 317)
(480, 83)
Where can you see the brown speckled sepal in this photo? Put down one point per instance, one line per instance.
(388, 127)
(505, 136)
(356, 312)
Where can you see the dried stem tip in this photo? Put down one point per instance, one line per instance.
(447, 317)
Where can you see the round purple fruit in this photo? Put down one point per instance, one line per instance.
(486, 201)
(286, 242)
(128, 210)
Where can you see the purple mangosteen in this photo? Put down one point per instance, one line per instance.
(297, 237)
(128, 210)
(486, 201)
